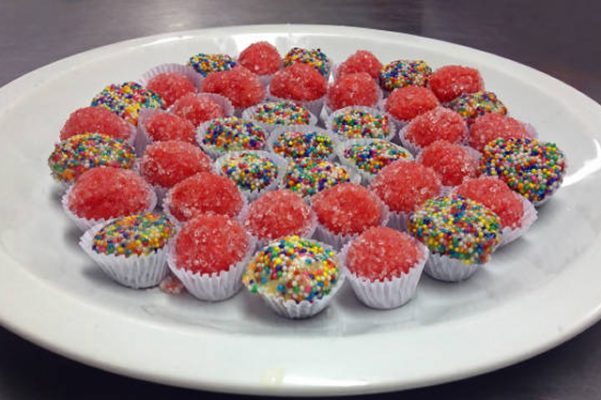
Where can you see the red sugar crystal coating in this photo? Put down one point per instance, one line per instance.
(408, 102)
(261, 58)
(105, 192)
(497, 196)
(171, 86)
(405, 185)
(360, 61)
(491, 126)
(353, 90)
(95, 120)
(162, 126)
(277, 214)
(347, 209)
(382, 253)
(452, 162)
(242, 87)
(300, 82)
(197, 110)
(451, 81)
(210, 244)
(167, 163)
(437, 124)
(204, 193)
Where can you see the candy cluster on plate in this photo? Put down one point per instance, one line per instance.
(291, 175)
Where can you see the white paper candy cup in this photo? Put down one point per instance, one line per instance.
(392, 129)
(314, 106)
(406, 143)
(398, 221)
(327, 108)
(215, 152)
(509, 234)
(250, 113)
(184, 70)
(280, 130)
(389, 293)
(135, 271)
(447, 269)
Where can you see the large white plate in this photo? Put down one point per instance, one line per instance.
(537, 293)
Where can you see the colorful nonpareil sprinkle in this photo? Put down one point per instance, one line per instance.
(403, 73)
(459, 228)
(371, 156)
(126, 100)
(294, 269)
(134, 235)
(359, 124)
(313, 57)
(204, 63)
(232, 133)
(282, 113)
(250, 171)
(472, 105)
(308, 176)
(532, 168)
(296, 144)
(80, 153)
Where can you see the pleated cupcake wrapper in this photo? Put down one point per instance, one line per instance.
(392, 128)
(250, 113)
(314, 106)
(447, 269)
(327, 109)
(185, 70)
(398, 220)
(215, 286)
(137, 272)
(388, 293)
(281, 165)
(86, 223)
(280, 130)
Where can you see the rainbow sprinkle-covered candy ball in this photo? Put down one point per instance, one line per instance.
(401, 73)
(313, 57)
(361, 124)
(233, 134)
(472, 105)
(250, 170)
(459, 228)
(533, 169)
(308, 176)
(293, 269)
(204, 63)
(80, 153)
(134, 235)
(281, 113)
(126, 100)
(371, 156)
(298, 144)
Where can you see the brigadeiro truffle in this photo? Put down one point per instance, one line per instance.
(221, 135)
(126, 100)
(199, 108)
(239, 85)
(262, 59)
(451, 81)
(161, 126)
(314, 58)
(307, 176)
(206, 64)
(360, 61)
(406, 103)
(437, 124)
(97, 120)
(401, 73)
(272, 114)
(472, 105)
(452, 162)
(353, 90)
(301, 84)
(172, 81)
(492, 126)
(358, 122)
(294, 142)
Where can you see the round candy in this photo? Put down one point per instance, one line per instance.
(232, 133)
(251, 171)
(371, 156)
(312, 57)
(533, 169)
(239, 85)
(299, 82)
(205, 64)
(382, 253)
(347, 209)
(105, 192)
(126, 100)
(166, 163)
(281, 113)
(277, 214)
(360, 124)
(80, 153)
(353, 90)
(261, 58)
(360, 61)
(405, 185)
(458, 228)
(170, 86)
(163, 126)
(437, 124)
(452, 162)
(472, 105)
(492, 126)
(451, 81)
(408, 102)
(204, 193)
(307, 176)
(401, 73)
(95, 120)
(298, 144)
(210, 244)
(294, 269)
(134, 235)
(197, 109)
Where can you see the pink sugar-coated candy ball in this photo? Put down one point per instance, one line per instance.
(405, 185)
(451, 81)
(167, 163)
(171, 86)
(204, 193)
(408, 102)
(382, 253)
(95, 120)
(197, 110)
(347, 209)
(261, 58)
(452, 162)
(277, 214)
(497, 196)
(106, 192)
(360, 61)
(298, 82)
(242, 87)
(353, 90)
(437, 124)
(163, 126)
(210, 244)
(492, 126)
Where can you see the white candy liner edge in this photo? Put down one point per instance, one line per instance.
(185, 70)
(392, 128)
(447, 269)
(280, 130)
(509, 234)
(250, 112)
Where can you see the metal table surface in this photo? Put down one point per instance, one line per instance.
(557, 37)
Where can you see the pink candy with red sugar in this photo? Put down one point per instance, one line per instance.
(451, 81)
(299, 82)
(163, 126)
(171, 86)
(197, 109)
(353, 90)
(492, 126)
(437, 124)
(360, 61)
(242, 87)
(452, 162)
(261, 58)
(95, 120)
(408, 102)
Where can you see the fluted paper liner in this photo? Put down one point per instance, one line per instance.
(445, 268)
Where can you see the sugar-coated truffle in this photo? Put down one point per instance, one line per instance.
(354, 123)
(314, 58)
(451, 81)
(452, 162)
(197, 109)
(408, 102)
(360, 61)
(353, 90)
(206, 64)
(437, 124)
(492, 126)
(239, 85)
(126, 100)
(163, 126)
(232, 134)
(261, 58)
(170, 86)
(307, 176)
(252, 171)
(401, 73)
(95, 120)
(298, 82)
(296, 144)
(472, 105)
